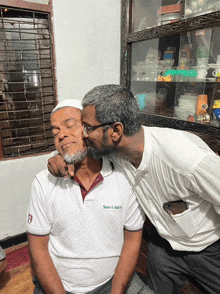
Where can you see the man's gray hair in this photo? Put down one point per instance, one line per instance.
(113, 103)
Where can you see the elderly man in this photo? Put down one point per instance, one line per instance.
(176, 177)
(84, 232)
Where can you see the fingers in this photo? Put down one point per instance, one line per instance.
(57, 166)
(53, 169)
(50, 169)
(71, 169)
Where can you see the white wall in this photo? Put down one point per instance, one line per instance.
(16, 177)
(87, 41)
(87, 44)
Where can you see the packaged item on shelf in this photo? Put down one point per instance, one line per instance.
(185, 59)
(167, 78)
(152, 102)
(186, 109)
(169, 53)
(201, 74)
(216, 113)
(169, 14)
(201, 109)
(141, 100)
(185, 51)
(168, 18)
(202, 61)
(181, 75)
(170, 9)
(216, 104)
(202, 104)
(216, 109)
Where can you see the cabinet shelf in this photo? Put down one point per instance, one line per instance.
(182, 82)
(178, 59)
(175, 28)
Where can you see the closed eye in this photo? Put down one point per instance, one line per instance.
(70, 123)
(55, 131)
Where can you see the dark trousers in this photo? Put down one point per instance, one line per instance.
(168, 269)
(135, 286)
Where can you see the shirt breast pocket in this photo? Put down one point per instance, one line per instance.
(186, 224)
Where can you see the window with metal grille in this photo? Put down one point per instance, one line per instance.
(27, 93)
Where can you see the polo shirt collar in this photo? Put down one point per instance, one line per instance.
(143, 167)
(107, 167)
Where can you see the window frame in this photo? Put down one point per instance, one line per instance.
(41, 8)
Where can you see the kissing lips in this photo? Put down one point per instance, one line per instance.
(88, 143)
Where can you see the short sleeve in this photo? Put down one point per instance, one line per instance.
(135, 217)
(38, 211)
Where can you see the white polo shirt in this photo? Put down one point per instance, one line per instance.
(178, 165)
(86, 238)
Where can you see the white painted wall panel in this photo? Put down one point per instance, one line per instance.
(89, 45)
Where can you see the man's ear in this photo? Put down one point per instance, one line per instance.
(118, 130)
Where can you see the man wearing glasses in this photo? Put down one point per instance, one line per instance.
(176, 178)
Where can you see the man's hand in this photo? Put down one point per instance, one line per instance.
(58, 168)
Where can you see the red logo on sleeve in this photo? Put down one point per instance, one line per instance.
(30, 217)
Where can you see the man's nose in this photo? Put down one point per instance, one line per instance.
(62, 134)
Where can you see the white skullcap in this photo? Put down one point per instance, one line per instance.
(68, 103)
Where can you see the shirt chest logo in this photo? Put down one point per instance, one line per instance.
(112, 207)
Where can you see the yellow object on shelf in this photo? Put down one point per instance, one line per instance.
(216, 104)
(165, 79)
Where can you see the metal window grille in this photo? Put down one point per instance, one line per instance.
(27, 93)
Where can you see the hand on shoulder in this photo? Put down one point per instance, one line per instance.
(58, 168)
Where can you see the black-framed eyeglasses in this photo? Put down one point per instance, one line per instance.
(89, 129)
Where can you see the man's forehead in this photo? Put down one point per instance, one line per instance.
(89, 113)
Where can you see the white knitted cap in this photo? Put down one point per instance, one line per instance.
(68, 103)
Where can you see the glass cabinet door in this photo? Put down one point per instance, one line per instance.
(178, 76)
(151, 13)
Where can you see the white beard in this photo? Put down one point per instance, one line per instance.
(75, 158)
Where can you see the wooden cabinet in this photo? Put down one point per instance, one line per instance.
(170, 61)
